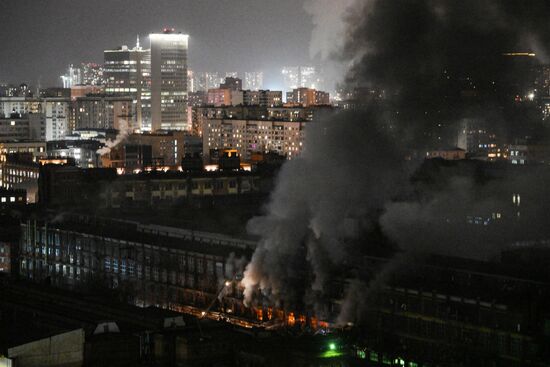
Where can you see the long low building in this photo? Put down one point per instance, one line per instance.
(36, 148)
(153, 266)
(439, 311)
(71, 186)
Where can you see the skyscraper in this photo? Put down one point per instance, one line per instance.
(291, 77)
(72, 77)
(191, 81)
(213, 80)
(169, 80)
(253, 80)
(204, 80)
(308, 77)
(127, 73)
(300, 77)
(199, 81)
(92, 73)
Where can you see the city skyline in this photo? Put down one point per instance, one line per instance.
(207, 197)
(288, 31)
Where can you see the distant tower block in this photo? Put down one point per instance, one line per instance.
(169, 80)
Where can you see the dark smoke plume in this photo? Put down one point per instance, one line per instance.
(324, 198)
(440, 60)
(420, 68)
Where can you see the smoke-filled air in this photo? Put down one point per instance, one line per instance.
(433, 69)
(123, 132)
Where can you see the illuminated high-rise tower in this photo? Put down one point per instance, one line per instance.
(169, 80)
(127, 73)
(72, 77)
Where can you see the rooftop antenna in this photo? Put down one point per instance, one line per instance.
(137, 42)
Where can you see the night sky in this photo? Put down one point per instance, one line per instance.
(39, 38)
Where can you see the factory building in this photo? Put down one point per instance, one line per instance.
(156, 265)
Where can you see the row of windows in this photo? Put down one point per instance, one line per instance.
(10, 199)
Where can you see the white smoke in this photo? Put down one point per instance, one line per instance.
(123, 132)
(329, 29)
(329, 26)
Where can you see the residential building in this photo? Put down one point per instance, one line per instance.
(264, 98)
(219, 97)
(307, 97)
(254, 80)
(249, 136)
(309, 77)
(256, 112)
(57, 112)
(103, 112)
(322, 98)
(213, 80)
(19, 105)
(198, 99)
(18, 127)
(300, 77)
(232, 83)
(200, 81)
(169, 80)
(204, 80)
(297, 113)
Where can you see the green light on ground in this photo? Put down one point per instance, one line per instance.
(332, 351)
(331, 354)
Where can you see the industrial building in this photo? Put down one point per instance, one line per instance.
(156, 265)
(69, 186)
